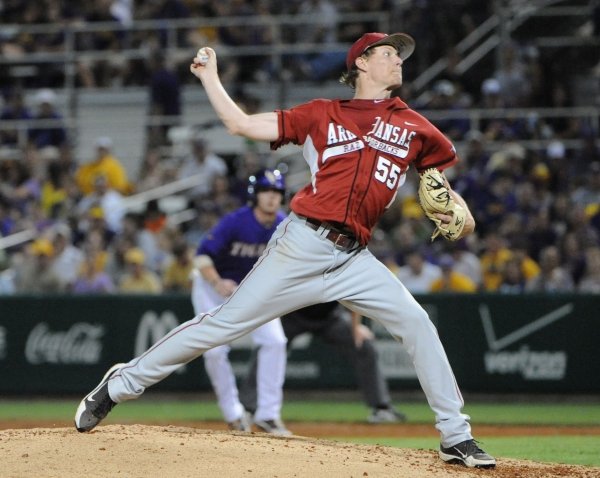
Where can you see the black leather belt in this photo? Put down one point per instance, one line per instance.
(340, 239)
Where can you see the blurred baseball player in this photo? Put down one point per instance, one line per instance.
(358, 152)
(222, 260)
(343, 330)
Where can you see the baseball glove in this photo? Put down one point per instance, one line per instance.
(435, 197)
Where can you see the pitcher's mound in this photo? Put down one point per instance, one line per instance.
(139, 451)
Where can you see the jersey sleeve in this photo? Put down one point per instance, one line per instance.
(294, 124)
(437, 151)
(216, 239)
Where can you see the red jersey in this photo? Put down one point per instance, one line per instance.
(359, 152)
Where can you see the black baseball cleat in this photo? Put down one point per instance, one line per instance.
(96, 404)
(467, 453)
(274, 427)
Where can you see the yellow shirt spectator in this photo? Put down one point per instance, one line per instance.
(177, 276)
(492, 261)
(104, 164)
(529, 268)
(139, 279)
(451, 280)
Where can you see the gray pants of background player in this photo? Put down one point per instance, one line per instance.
(300, 267)
(329, 324)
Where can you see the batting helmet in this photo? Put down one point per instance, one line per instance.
(265, 180)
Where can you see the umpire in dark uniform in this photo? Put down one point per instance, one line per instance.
(334, 325)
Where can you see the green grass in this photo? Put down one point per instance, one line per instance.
(148, 407)
(572, 450)
(484, 413)
(581, 450)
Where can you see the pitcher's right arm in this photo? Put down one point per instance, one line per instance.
(260, 127)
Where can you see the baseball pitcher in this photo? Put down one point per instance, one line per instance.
(359, 152)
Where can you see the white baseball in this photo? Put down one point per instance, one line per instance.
(202, 56)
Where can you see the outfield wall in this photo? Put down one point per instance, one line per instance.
(496, 343)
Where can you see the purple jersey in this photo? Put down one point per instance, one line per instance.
(236, 242)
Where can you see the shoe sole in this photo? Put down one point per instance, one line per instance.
(273, 431)
(81, 408)
(469, 461)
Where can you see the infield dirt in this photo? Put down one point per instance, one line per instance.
(148, 451)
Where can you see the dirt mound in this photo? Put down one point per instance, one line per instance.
(166, 451)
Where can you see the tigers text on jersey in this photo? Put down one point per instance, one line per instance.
(359, 152)
(236, 242)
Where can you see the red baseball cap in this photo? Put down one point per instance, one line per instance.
(405, 44)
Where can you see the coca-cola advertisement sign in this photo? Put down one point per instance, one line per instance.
(80, 344)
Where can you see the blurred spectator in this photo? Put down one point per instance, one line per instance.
(504, 127)
(540, 232)
(588, 194)
(107, 69)
(552, 277)
(513, 280)
(177, 274)
(107, 198)
(321, 29)
(581, 159)
(515, 86)
(573, 255)
(139, 279)
(247, 67)
(579, 223)
(127, 239)
(8, 224)
(529, 267)
(220, 198)
(35, 273)
(490, 94)
(154, 237)
(105, 163)
(409, 235)
(169, 9)
(465, 261)
(67, 257)
(57, 191)
(19, 186)
(165, 99)
(590, 281)
(93, 222)
(498, 200)
(47, 135)
(451, 280)
(418, 274)
(447, 97)
(201, 224)
(91, 278)
(476, 155)
(493, 258)
(204, 164)
(14, 109)
(155, 171)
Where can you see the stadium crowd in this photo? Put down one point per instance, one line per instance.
(537, 209)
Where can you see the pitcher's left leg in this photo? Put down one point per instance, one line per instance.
(368, 287)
